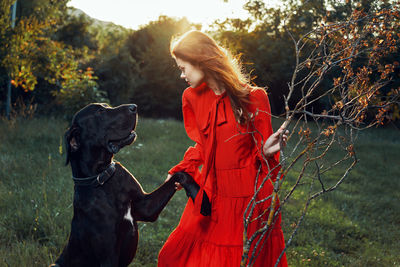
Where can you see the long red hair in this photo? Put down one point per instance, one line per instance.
(200, 50)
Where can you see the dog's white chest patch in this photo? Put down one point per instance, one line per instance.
(128, 216)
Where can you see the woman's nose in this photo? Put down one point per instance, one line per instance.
(183, 76)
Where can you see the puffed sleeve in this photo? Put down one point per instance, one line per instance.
(193, 157)
(263, 129)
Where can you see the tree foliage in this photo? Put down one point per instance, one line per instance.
(52, 43)
(265, 42)
(158, 88)
(35, 56)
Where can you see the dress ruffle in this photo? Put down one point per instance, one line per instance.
(198, 241)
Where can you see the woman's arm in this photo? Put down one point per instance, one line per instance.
(267, 142)
(190, 163)
(273, 144)
(193, 157)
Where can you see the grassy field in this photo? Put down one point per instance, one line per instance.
(356, 225)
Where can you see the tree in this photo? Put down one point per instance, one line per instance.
(113, 63)
(34, 58)
(264, 42)
(355, 54)
(157, 89)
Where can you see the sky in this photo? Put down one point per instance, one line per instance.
(134, 13)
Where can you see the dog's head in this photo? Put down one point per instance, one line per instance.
(99, 127)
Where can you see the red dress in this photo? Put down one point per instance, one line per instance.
(230, 159)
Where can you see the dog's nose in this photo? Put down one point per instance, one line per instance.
(133, 108)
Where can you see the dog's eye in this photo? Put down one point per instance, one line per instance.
(101, 110)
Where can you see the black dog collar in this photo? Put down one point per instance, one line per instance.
(96, 180)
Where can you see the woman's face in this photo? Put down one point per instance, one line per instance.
(193, 75)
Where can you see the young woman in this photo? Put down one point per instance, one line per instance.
(230, 123)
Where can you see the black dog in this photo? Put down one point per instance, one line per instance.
(108, 200)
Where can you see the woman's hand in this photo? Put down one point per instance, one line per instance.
(272, 145)
(177, 185)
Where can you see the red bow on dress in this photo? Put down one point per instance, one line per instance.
(216, 117)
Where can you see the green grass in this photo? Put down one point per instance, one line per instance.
(356, 225)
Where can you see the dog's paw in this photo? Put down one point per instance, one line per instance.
(191, 189)
(182, 178)
(188, 183)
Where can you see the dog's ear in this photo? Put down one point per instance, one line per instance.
(72, 141)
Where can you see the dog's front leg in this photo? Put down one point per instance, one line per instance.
(149, 205)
